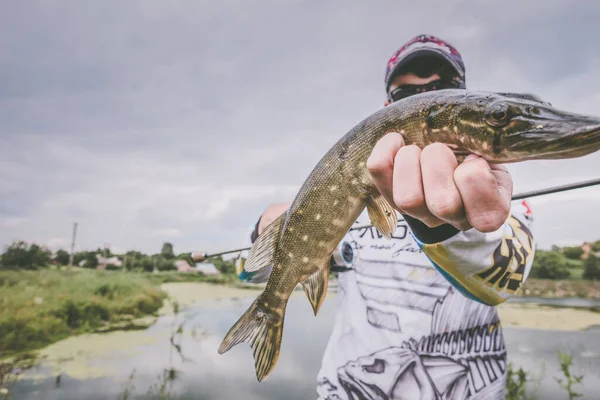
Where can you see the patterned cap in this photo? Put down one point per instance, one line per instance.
(424, 45)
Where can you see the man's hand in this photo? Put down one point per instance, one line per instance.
(429, 185)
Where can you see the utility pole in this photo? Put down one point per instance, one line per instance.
(72, 246)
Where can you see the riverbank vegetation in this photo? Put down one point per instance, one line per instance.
(38, 308)
(523, 385)
(570, 263)
(44, 300)
(560, 289)
(31, 256)
(565, 272)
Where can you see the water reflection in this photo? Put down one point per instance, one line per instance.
(181, 361)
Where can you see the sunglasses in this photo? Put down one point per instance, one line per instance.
(409, 90)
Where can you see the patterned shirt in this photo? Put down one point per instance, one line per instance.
(417, 319)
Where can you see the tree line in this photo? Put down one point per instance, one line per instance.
(22, 255)
(557, 263)
(567, 263)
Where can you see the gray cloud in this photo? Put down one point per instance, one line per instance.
(148, 121)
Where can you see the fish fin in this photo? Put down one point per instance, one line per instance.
(382, 215)
(262, 329)
(315, 287)
(263, 250)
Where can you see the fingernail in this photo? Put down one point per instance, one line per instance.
(471, 157)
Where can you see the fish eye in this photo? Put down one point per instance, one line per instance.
(497, 115)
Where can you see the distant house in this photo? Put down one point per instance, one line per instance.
(103, 262)
(587, 250)
(183, 266)
(207, 269)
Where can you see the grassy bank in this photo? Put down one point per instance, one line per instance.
(174, 277)
(38, 308)
(561, 288)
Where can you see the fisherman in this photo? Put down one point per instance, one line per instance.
(406, 325)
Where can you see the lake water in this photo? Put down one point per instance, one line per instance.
(201, 373)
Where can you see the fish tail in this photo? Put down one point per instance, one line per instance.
(262, 328)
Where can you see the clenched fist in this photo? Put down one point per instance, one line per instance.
(431, 186)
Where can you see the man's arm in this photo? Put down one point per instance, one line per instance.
(460, 215)
(486, 267)
(270, 214)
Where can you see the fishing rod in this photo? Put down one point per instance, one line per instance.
(200, 256)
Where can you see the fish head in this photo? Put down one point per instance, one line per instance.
(514, 127)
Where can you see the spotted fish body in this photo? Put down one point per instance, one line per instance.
(499, 127)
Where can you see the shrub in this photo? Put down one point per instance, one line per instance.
(549, 265)
(591, 268)
(38, 308)
(573, 253)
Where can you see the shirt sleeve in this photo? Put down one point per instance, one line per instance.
(486, 267)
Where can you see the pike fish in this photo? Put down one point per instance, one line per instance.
(500, 127)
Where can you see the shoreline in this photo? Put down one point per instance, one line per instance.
(523, 315)
(183, 294)
(74, 354)
(560, 289)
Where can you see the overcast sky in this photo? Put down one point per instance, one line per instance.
(151, 121)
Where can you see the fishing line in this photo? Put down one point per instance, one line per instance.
(533, 193)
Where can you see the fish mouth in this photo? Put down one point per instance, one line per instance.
(558, 136)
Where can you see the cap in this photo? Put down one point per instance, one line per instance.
(424, 45)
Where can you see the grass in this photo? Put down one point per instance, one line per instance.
(38, 308)
(173, 276)
(519, 382)
(560, 288)
(575, 268)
